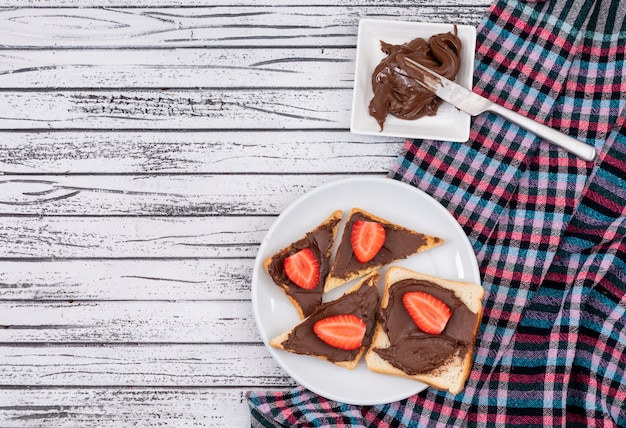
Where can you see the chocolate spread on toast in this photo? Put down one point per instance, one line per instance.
(399, 244)
(363, 303)
(414, 351)
(319, 242)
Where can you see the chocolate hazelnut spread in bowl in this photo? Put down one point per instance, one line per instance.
(387, 101)
(395, 90)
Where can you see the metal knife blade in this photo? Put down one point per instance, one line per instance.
(449, 91)
(474, 104)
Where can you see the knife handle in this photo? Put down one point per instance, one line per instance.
(572, 145)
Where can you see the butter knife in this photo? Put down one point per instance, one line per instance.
(474, 104)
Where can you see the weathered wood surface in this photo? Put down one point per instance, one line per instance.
(155, 195)
(146, 147)
(128, 322)
(173, 109)
(116, 238)
(155, 152)
(222, 25)
(140, 365)
(179, 68)
(124, 406)
(124, 279)
(461, 5)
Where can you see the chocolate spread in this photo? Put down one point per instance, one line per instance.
(401, 96)
(399, 244)
(414, 351)
(363, 303)
(319, 241)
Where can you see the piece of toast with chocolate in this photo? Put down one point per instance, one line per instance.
(338, 331)
(300, 269)
(426, 329)
(369, 242)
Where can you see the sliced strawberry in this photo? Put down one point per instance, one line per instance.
(344, 331)
(303, 269)
(427, 312)
(367, 239)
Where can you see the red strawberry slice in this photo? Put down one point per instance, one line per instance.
(367, 239)
(303, 269)
(427, 312)
(344, 331)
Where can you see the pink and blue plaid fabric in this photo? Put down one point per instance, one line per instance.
(548, 230)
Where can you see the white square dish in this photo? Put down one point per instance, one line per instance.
(449, 124)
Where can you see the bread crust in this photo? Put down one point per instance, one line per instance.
(278, 341)
(453, 373)
(334, 282)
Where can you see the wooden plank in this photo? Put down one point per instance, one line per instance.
(245, 25)
(172, 4)
(153, 195)
(196, 152)
(130, 237)
(122, 407)
(178, 68)
(177, 109)
(189, 279)
(140, 366)
(127, 322)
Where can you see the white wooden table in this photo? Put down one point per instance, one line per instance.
(145, 148)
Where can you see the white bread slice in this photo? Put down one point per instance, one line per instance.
(370, 280)
(337, 277)
(452, 374)
(286, 285)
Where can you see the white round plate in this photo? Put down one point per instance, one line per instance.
(392, 200)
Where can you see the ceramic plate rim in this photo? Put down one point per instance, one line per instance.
(273, 242)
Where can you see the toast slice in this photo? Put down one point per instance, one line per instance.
(399, 243)
(400, 348)
(320, 241)
(361, 300)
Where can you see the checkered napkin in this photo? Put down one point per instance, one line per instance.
(548, 229)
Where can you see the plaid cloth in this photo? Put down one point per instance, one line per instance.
(548, 229)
